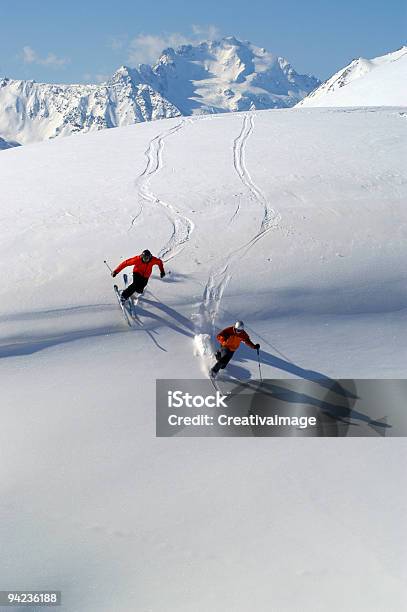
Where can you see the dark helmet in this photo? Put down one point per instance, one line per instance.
(146, 256)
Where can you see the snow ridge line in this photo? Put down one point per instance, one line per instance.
(182, 226)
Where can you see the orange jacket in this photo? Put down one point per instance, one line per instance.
(230, 339)
(144, 269)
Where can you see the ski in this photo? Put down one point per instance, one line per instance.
(133, 302)
(232, 379)
(215, 385)
(123, 308)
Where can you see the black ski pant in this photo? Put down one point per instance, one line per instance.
(223, 360)
(138, 285)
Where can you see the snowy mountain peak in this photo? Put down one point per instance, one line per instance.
(365, 82)
(228, 75)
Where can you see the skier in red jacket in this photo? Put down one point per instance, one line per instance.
(230, 339)
(143, 266)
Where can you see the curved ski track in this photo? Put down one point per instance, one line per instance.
(221, 274)
(270, 217)
(182, 226)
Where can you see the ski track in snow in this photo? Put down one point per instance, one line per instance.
(182, 226)
(270, 218)
(221, 273)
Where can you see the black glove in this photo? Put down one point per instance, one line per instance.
(257, 346)
(114, 274)
(218, 355)
(162, 274)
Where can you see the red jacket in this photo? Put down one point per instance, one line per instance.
(144, 269)
(229, 338)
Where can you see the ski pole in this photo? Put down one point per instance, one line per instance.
(105, 262)
(258, 359)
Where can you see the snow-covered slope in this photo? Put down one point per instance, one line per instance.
(212, 77)
(282, 218)
(377, 82)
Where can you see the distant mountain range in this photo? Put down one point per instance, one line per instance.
(211, 77)
(377, 82)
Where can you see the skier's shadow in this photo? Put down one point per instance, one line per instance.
(182, 322)
(236, 371)
(174, 277)
(296, 370)
(328, 405)
(334, 414)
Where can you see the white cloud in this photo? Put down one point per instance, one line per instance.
(31, 57)
(210, 32)
(117, 43)
(100, 77)
(146, 48)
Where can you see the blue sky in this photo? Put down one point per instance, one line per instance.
(86, 41)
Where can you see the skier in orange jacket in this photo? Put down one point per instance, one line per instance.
(230, 339)
(142, 268)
